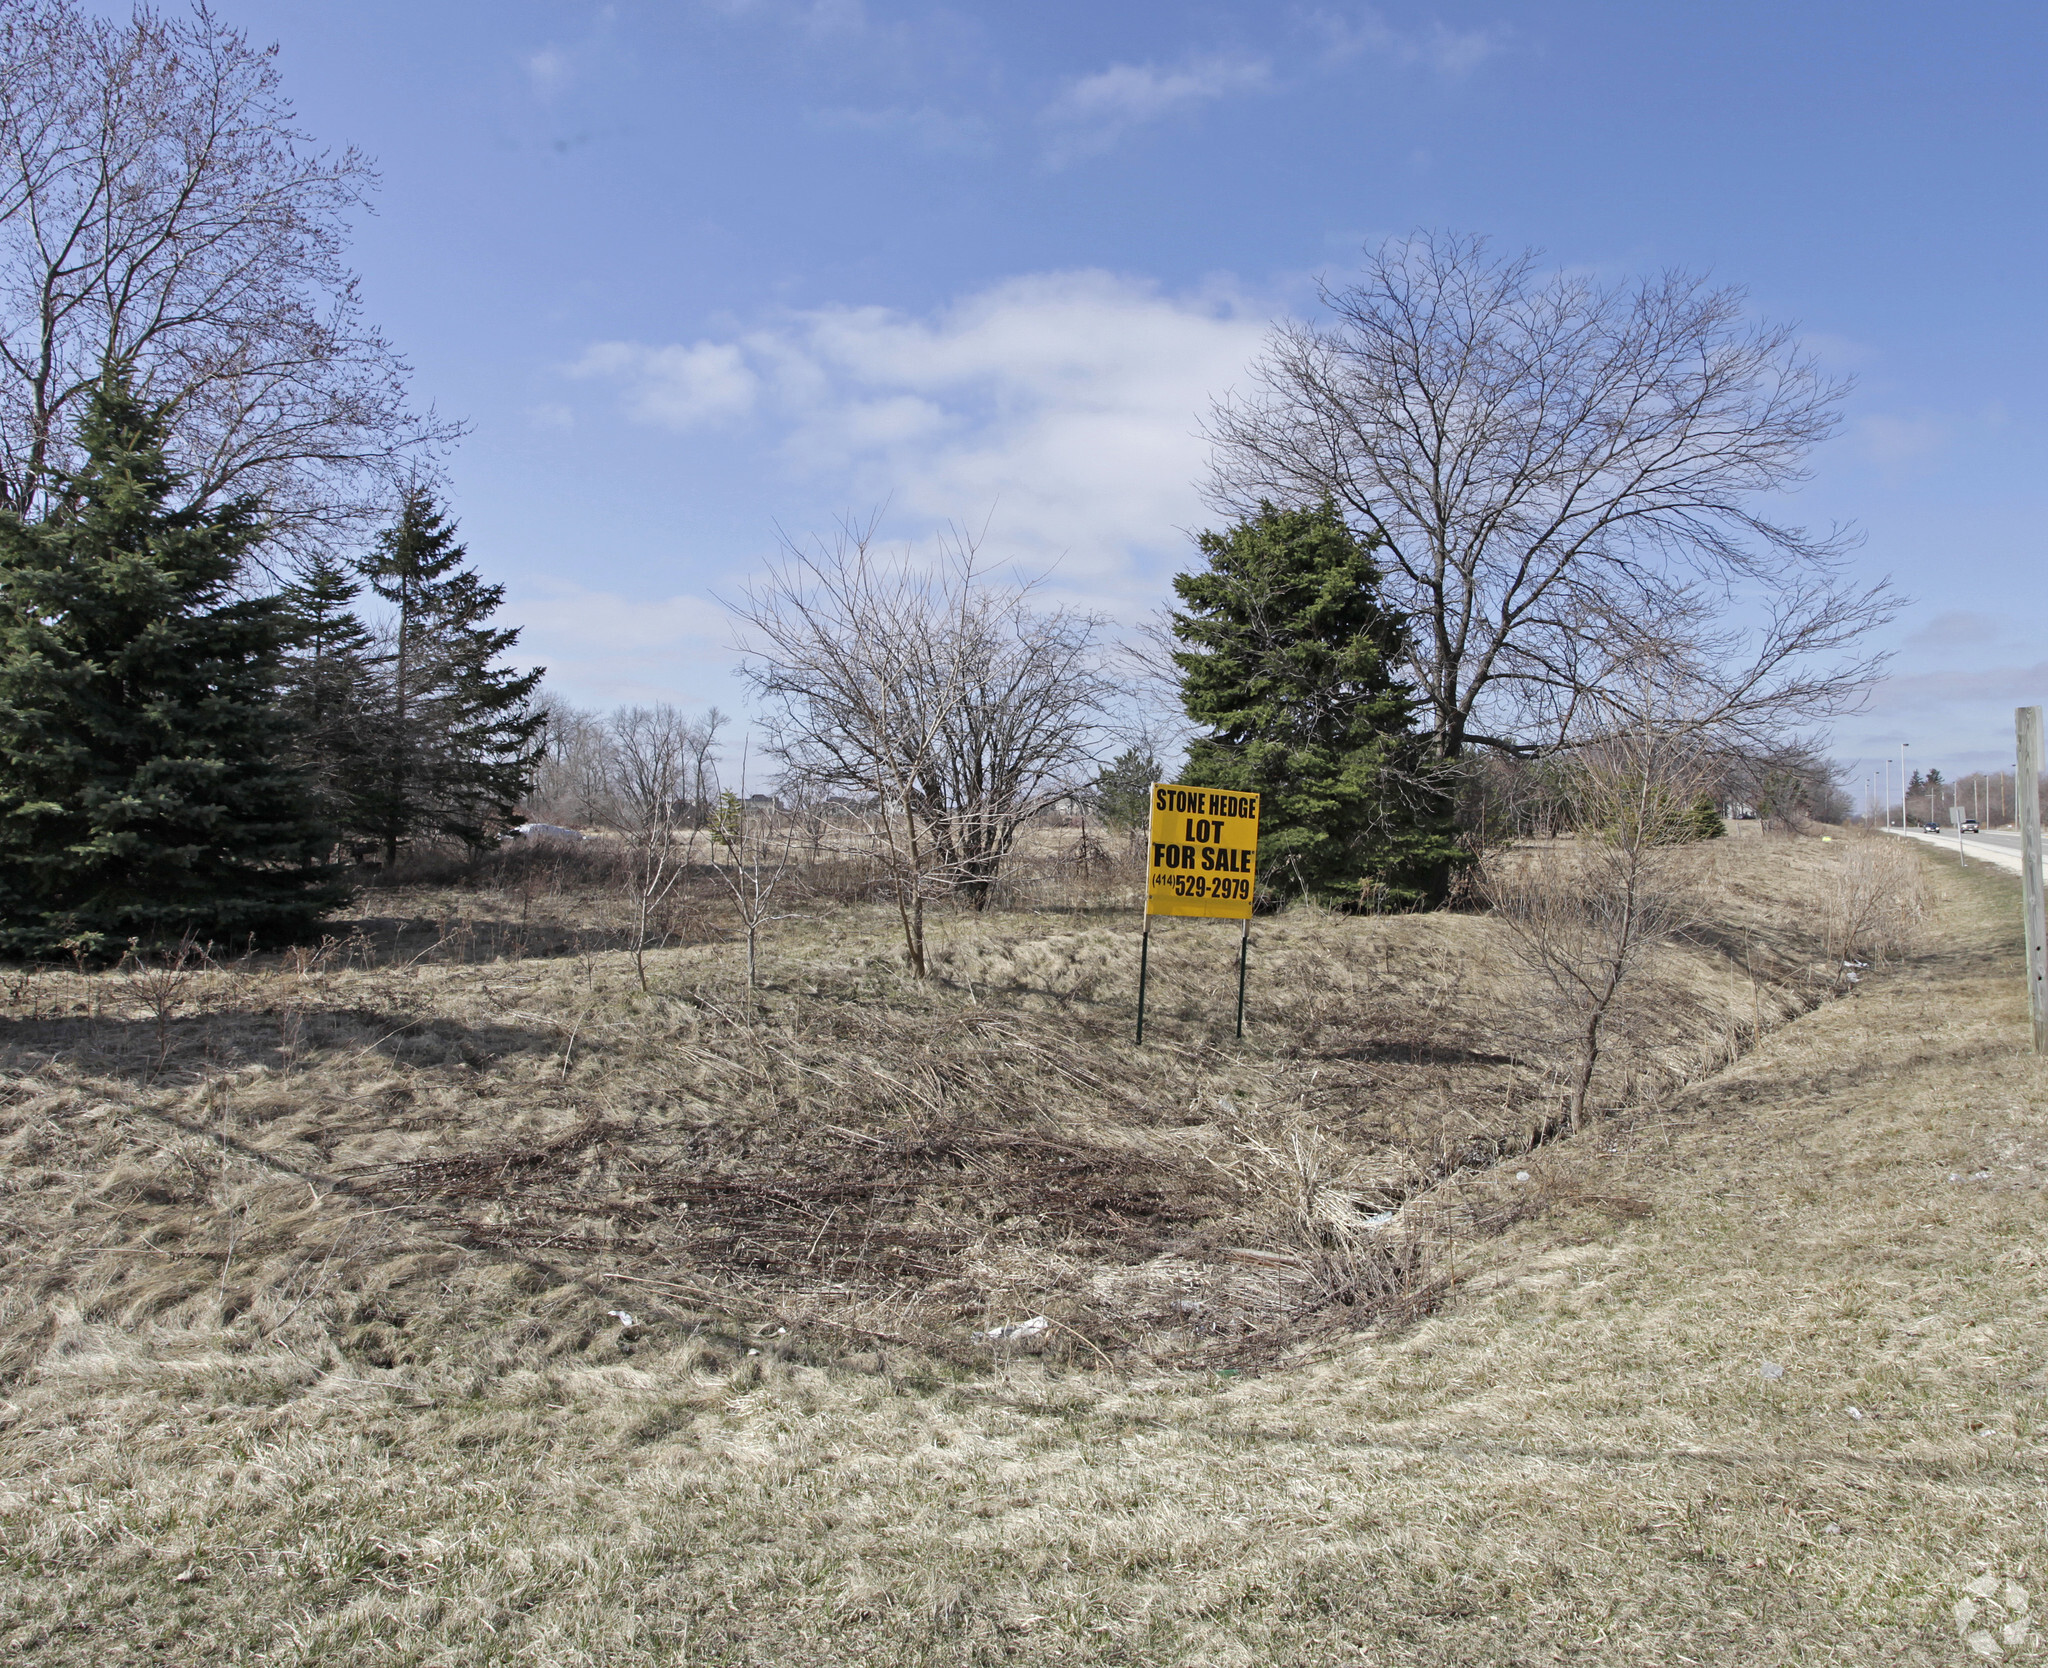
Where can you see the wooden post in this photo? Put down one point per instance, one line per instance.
(2027, 801)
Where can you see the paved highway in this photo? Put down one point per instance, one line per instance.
(1999, 848)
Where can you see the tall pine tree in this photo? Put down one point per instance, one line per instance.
(330, 678)
(457, 734)
(1289, 663)
(144, 791)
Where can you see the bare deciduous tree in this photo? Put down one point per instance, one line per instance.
(159, 209)
(941, 700)
(572, 781)
(703, 761)
(1584, 920)
(1566, 478)
(643, 772)
(757, 843)
(650, 753)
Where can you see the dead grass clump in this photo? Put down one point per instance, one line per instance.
(1875, 903)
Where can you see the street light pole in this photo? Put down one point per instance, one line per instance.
(1902, 785)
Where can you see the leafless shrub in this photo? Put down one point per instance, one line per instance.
(160, 978)
(1327, 1243)
(1584, 920)
(646, 777)
(755, 847)
(941, 707)
(1874, 902)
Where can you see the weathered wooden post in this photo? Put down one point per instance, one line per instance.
(2027, 794)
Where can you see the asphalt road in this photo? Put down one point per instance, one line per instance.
(1998, 848)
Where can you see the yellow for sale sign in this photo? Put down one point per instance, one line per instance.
(1205, 848)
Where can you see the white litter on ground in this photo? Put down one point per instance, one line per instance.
(1035, 1327)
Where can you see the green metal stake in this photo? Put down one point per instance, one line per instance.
(1144, 965)
(1244, 945)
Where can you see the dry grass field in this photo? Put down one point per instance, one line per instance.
(441, 1297)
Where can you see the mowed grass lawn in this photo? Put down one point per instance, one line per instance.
(1757, 1379)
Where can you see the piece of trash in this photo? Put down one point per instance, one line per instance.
(1188, 1305)
(1980, 1175)
(1955, 1175)
(1036, 1326)
(753, 1352)
(1831, 1529)
(626, 1322)
(1771, 1369)
(1855, 1413)
(1521, 1175)
(1855, 964)
(1378, 1219)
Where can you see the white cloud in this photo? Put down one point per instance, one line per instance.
(1837, 353)
(679, 386)
(549, 71)
(1449, 52)
(1957, 628)
(1894, 442)
(1066, 403)
(611, 649)
(1093, 112)
(925, 125)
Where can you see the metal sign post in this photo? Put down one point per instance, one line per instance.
(2027, 801)
(1204, 863)
(1144, 967)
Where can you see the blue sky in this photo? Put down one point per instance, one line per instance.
(702, 269)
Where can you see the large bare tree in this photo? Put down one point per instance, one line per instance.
(1568, 478)
(161, 210)
(937, 698)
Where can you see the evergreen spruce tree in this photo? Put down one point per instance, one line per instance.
(1123, 792)
(1290, 664)
(1702, 820)
(330, 681)
(458, 736)
(143, 789)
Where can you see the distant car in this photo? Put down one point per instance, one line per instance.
(1969, 825)
(1932, 827)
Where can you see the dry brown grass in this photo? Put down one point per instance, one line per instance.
(309, 1357)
